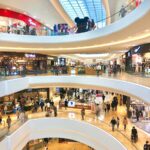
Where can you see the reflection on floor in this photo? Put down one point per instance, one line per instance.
(56, 144)
(103, 122)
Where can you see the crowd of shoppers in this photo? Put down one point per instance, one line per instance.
(23, 30)
(108, 69)
(51, 110)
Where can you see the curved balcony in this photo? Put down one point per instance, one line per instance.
(39, 127)
(62, 128)
(110, 38)
(129, 85)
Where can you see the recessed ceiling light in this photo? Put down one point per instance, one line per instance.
(147, 30)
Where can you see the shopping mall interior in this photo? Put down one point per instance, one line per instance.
(75, 74)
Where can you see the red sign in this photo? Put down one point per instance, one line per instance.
(16, 15)
(138, 2)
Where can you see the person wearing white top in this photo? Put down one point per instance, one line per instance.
(98, 69)
(48, 105)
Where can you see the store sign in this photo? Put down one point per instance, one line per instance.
(50, 58)
(30, 55)
(21, 61)
(137, 49)
(71, 104)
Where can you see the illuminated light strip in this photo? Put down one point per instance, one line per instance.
(84, 47)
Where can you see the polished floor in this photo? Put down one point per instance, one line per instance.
(55, 144)
(103, 122)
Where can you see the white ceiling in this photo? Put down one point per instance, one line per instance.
(41, 10)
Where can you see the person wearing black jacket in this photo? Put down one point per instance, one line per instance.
(103, 97)
(134, 134)
(113, 123)
(55, 111)
(66, 103)
(146, 146)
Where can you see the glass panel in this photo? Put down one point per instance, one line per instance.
(93, 9)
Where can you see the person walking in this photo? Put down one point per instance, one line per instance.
(82, 113)
(8, 122)
(122, 11)
(113, 123)
(1, 119)
(66, 103)
(137, 114)
(55, 111)
(21, 117)
(97, 112)
(105, 108)
(5, 109)
(115, 100)
(125, 122)
(146, 146)
(118, 122)
(103, 97)
(98, 69)
(17, 114)
(108, 107)
(42, 105)
(134, 135)
(112, 105)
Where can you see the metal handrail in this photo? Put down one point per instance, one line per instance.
(129, 4)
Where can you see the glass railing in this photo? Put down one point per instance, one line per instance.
(43, 31)
(124, 10)
(4, 132)
(140, 78)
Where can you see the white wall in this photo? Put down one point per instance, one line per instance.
(62, 128)
(11, 86)
(100, 83)
(4, 144)
(115, 6)
(42, 9)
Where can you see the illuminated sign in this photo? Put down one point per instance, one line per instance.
(137, 49)
(30, 55)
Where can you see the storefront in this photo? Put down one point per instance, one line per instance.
(19, 23)
(22, 63)
(13, 102)
(138, 60)
(141, 109)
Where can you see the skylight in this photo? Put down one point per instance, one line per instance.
(93, 9)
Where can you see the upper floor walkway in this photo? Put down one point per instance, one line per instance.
(131, 30)
(134, 86)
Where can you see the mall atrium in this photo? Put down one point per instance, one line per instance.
(74, 74)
